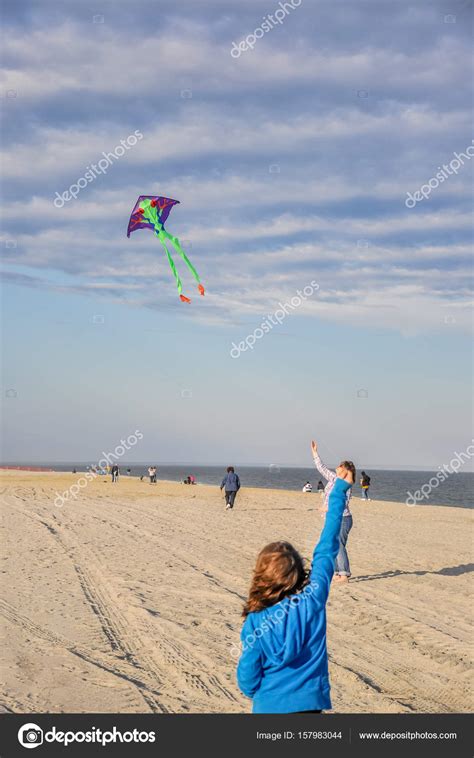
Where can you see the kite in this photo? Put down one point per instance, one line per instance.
(151, 212)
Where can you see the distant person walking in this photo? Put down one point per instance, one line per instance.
(152, 474)
(230, 485)
(342, 569)
(365, 484)
(320, 487)
(115, 471)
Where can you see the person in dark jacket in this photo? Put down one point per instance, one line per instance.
(230, 485)
(365, 484)
(283, 666)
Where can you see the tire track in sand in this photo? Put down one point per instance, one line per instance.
(175, 663)
(115, 629)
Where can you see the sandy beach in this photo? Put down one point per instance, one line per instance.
(128, 599)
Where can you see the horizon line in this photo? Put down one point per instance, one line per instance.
(376, 467)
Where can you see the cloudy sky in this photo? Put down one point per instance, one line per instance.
(292, 162)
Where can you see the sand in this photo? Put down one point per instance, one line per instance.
(129, 599)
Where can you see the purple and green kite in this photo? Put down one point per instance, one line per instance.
(151, 212)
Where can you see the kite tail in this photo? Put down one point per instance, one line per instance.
(177, 245)
(175, 273)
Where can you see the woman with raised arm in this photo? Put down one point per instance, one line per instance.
(342, 567)
(283, 666)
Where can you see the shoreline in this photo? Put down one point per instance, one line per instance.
(71, 479)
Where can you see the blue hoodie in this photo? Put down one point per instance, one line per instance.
(231, 482)
(284, 661)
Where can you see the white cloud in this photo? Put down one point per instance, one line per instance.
(345, 167)
(75, 58)
(204, 131)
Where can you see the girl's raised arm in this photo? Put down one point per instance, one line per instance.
(324, 470)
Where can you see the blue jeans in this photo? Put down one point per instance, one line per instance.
(342, 560)
(230, 497)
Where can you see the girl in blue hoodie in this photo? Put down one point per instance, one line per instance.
(283, 666)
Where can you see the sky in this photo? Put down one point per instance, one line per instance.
(291, 148)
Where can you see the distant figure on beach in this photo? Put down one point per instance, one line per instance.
(308, 487)
(192, 479)
(283, 665)
(74, 471)
(129, 471)
(115, 471)
(230, 485)
(342, 566)
(365, 484)
(152, 474)
(320, 487)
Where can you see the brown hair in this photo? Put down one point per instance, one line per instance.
(279, 572)
(350, 467)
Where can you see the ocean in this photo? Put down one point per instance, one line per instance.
(457, 490)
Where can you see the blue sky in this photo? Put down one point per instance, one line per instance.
(292, 164)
